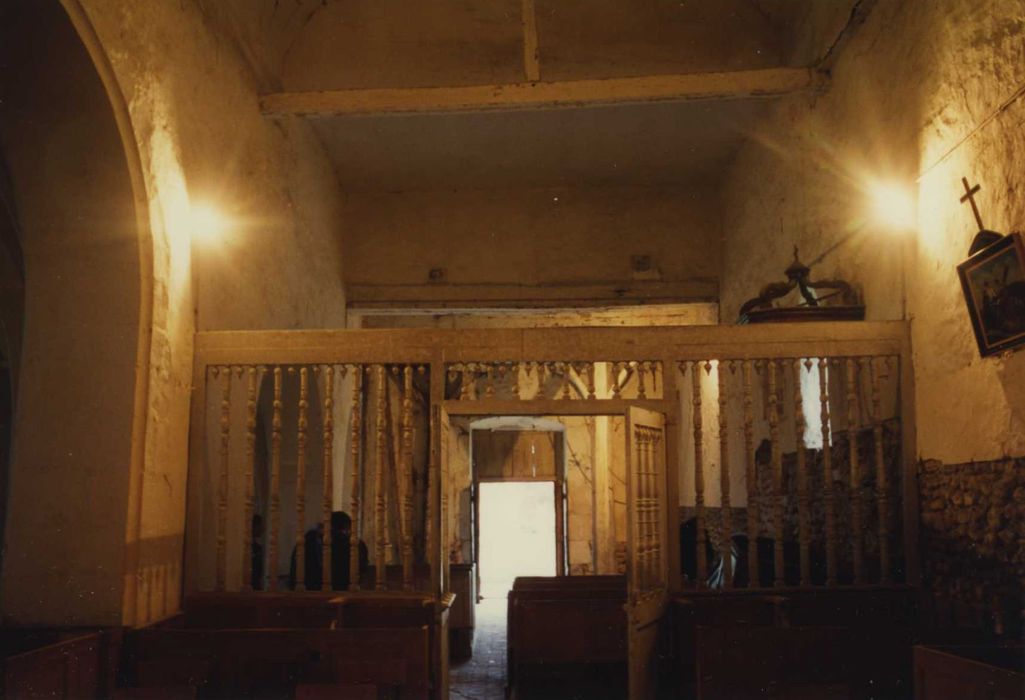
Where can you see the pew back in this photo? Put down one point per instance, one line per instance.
(244, 660)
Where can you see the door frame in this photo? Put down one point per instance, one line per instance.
(561, 505)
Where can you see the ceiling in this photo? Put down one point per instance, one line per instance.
(318, 45)
(647, 145)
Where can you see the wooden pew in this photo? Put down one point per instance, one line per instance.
(851, 606)
(59, 663)
(877, 622)
(881, 623)
(611, 581)
(463, 617)
(567, 632)
(261, 610)
(246, 660)
(691, 611)
(980, 672)
(734, 661)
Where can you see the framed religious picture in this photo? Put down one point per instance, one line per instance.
(993, 281)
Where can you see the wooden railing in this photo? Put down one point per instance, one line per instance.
(274, 397)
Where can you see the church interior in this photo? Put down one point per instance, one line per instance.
(512, 349)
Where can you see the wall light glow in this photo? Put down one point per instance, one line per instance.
(206, 224)
(893, 206)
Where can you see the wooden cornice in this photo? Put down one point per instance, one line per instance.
(769, 82)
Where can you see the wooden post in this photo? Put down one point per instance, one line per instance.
(829, 487)
(725, 504)
(275, 483)
(857, 544)
(356, 436)
(328, 473)
(699, 474)
(753, 579)
(531, 60)
(247, 510)
(803, 497)
(638, 514)
(777, 473)
(882, 483)
(407, 478)
(300, 481)
(222, 487)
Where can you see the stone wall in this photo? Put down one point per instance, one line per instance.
(840, 457)
(925, 93)
(973, 532)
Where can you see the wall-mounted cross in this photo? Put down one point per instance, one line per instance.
(969, 196)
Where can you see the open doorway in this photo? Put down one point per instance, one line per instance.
(517, 533)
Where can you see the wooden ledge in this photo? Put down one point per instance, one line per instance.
(687, 87)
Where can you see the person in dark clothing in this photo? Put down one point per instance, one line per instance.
(341, 531)
(341, 534)
(257, 553)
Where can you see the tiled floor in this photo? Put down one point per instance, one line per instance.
(483, 676)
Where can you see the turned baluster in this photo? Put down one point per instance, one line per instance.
(726, 505)
(882, 484)
(247, 510)
(275, 482)
(829, 495)
(857, 541)
(327, 475)
(752, 481)
(222, 487)
(380, 502)
(699, 474)
(300, 480)
(803, 497)
(407, 478)
(777, 472)
(356, 437)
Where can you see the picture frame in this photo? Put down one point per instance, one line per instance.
(993, 282)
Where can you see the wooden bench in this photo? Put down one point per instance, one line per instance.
(260, 610)
(877, 626)
(795, 663)
(243, 661)
(567, 632)
(612, 581)
(691, 611)
(462, 620)
(851, 606)
(979, 672)
(58, 663)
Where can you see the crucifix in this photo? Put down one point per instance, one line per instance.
(969, 196)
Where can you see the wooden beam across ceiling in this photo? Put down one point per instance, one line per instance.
(769, 82)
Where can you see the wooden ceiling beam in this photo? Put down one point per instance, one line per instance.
(545, 95)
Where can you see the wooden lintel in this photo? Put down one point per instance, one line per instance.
(551, 407)
(540, 295)
(422, 346)
(544, 95)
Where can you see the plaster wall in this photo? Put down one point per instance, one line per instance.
(73, 426)
(531, 245)
(924, 94)
(196, 129)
